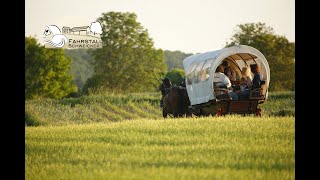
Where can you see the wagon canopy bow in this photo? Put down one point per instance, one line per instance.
(200, 69)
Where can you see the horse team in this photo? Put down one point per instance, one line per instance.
(174, 100)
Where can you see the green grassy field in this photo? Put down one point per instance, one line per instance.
(231, 147)
(116, 136)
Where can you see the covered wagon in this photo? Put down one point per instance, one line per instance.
(206, 99)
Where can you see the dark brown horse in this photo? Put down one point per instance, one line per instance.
(175, 101)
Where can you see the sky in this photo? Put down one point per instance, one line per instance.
(190, 26)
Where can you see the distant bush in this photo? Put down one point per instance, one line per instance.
(31, 120)
(176, 76)
(285, 112)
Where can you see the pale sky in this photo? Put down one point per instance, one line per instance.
(191, 26)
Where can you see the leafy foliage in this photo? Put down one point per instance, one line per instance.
(46, 71)
(82, 69)
(174, 59)
(128, 59)
(279, 52)
(176, 76)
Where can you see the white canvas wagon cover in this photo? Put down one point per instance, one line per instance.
(200, 69)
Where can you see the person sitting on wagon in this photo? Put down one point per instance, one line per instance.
(244, 91)
(256, 81)
(221, 78)
(246, 82)
(237, 77)
(246, 73)
(228, 71)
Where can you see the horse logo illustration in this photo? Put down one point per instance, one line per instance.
(73, 37)
(54, 37)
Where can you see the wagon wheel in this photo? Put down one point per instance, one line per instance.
(258, 112)
(219, 113)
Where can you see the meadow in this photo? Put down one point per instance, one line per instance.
(111, 137)
(107, 107)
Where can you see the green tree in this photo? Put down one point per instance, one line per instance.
(81, 69)
(176, 75)
(46, 71)
(174, 59)
(128, 61)
(279, 52)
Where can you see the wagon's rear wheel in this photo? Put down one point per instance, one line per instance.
(219, 113)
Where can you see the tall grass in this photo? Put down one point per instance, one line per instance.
(279, 104)
(106, 108)
(109, 107)
(231, 147)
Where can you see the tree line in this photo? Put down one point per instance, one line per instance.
(129, 62)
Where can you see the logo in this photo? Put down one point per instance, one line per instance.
(84, 37)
